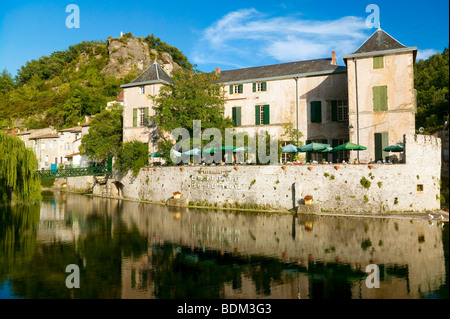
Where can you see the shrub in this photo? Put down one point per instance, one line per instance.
(132, 156)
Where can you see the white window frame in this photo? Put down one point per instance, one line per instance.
(259, 87)
(141, 116)
(42, 145)
(284, 155)
(142, 89)
(261, 115)
(342, 110)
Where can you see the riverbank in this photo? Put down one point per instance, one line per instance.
(393, 215)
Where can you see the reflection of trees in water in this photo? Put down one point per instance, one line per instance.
(38, 270)
(18, 228)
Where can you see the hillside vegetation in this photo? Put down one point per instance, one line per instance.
(60, 89)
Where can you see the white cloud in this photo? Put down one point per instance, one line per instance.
(247, 37)
(425, 54)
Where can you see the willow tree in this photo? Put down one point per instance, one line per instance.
(18, 164)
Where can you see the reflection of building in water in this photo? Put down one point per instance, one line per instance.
(53, 222)
(409, 252)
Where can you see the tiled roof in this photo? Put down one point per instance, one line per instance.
(153, 74)
(120, 97)
(380, 41)
(72, 155)
(44, 136)
(72, 129)
(282, 70)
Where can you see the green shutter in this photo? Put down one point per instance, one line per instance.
(378, 62)
(264, 86)
(254, 87)
(316, 111)
(378, 149)
(238, 116)
(231, 89)
(313, 112)
(241, 88)
(384, 144)
(319, 112)
(308, 154)
(266, 114)
(134, 117)
(257, 115)
(334, 111)
(379, 98)
(146, 119)
(234, 115)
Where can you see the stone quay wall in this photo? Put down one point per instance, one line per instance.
(411, 186)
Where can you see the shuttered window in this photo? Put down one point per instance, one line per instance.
(381, 142)
(378, 62)
(380, 102)
(236, 115)
(262, 114)
(316, 111)
(334, 111)
(236, 89)
(260, 87)
(257, 115)
(135, 117)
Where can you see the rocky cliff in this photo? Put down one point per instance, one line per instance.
(134, 55)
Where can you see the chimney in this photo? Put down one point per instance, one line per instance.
(217, 71)
(333, 58)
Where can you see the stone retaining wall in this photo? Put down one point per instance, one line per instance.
(411, 186)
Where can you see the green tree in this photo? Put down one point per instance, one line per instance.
(6, 82)
(132, 156)
(191, 96)
(18, 179)
(431, 79)
(105, 135)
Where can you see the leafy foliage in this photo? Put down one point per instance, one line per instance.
(132, 156)
(161, 46)
(105, 135)
(192, 96)
(60, 89)
(18, 179)
(6, 82)
(431, 78)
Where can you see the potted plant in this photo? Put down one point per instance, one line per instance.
(177, 195)
(308, 199)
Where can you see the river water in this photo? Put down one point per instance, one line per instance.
(126, 249)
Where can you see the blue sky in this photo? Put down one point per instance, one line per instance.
(222, 34)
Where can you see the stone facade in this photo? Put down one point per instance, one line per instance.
(281, 96)
(412, 186)
(398, 75)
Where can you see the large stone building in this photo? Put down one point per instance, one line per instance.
(370, 102)
(381, 95)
